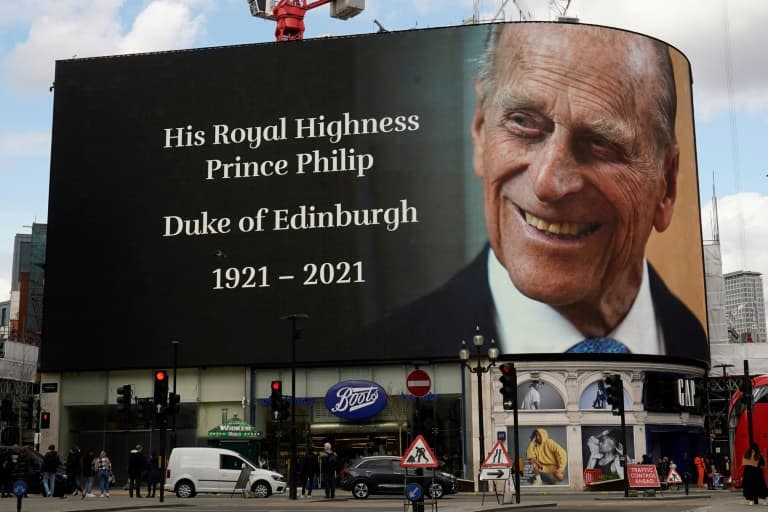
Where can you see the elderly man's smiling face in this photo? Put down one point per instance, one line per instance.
(574, 180)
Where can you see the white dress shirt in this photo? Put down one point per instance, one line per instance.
(528, 326)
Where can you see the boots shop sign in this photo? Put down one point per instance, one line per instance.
(355, 399)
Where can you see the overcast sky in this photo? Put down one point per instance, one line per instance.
(730, 95)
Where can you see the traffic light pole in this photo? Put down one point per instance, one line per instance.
(747, 391)
(624, 444)
(516, 436)
(161, 423)
(295, 336)
(175, 344)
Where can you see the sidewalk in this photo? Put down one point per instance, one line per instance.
(697, 501)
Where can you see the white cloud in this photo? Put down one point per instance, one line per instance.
(163, 25)
(22, 144)
(743, 232)
(86, 28)
(14, 144)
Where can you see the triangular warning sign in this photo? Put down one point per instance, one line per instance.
(673, 477)
(497, 457)
(419, 455)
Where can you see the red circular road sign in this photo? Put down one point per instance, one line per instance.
(418, 383)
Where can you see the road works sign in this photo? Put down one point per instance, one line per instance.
(642, 475)
(495, 473)
(419, 455)
(497, 457)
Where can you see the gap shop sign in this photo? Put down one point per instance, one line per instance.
(355, 399)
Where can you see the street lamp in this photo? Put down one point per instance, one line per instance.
(478, 340)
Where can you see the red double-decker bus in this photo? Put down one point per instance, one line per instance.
(739, 430)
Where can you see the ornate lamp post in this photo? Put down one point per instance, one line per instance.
(479, 369)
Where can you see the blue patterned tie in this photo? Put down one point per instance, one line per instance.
(601, 345)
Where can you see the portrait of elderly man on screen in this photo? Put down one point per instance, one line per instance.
(574, 143)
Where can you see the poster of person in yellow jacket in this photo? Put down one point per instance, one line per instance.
(546, 459)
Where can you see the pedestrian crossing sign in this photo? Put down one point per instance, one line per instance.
(419, 455)
(498, 457)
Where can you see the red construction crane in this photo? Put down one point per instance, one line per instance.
(289, 14)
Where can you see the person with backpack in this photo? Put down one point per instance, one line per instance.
(51, 463)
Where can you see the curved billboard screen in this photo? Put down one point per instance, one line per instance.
(535, 180)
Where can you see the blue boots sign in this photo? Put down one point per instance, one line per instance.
(355, 399)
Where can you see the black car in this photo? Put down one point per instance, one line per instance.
(35, 476)
(383, 475)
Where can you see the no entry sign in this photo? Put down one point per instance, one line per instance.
(418, 383)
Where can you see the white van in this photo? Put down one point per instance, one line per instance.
(194, 470)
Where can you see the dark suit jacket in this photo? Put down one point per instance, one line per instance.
(434, 325)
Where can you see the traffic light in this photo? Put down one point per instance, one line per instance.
(285, 409)
(124, 396)
(161, 390)
(26, 412)
(173, 403)
(276, 398)
(144, 410)
(614, 393)
(45, 419)
(508, 389)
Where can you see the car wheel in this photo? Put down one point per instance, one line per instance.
(436, 490)
(360, 490)
(261, 489)
(185, 489)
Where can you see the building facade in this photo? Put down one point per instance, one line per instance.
(745, 306)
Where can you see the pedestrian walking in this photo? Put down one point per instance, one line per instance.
(6, 470)
(88, 472)
(309, 471)
(328, 463)
(753, 483)
(51, 463)
(103, 469)
(154, 474)
(74, 468)
(136, 466)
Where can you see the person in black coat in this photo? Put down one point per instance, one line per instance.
(74, 468)
(309, 472)
(154, 474)
(136, 465)
(328, 463)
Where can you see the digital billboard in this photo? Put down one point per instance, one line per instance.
(401, 189)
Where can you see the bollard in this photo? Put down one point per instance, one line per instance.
(19, 490)
(686, 480)
(415, 493)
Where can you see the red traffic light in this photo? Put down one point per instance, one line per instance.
(506, 369)
(161, 375)
(46, 416)
(276, 385)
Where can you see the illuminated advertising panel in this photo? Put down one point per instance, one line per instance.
(399, 188)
